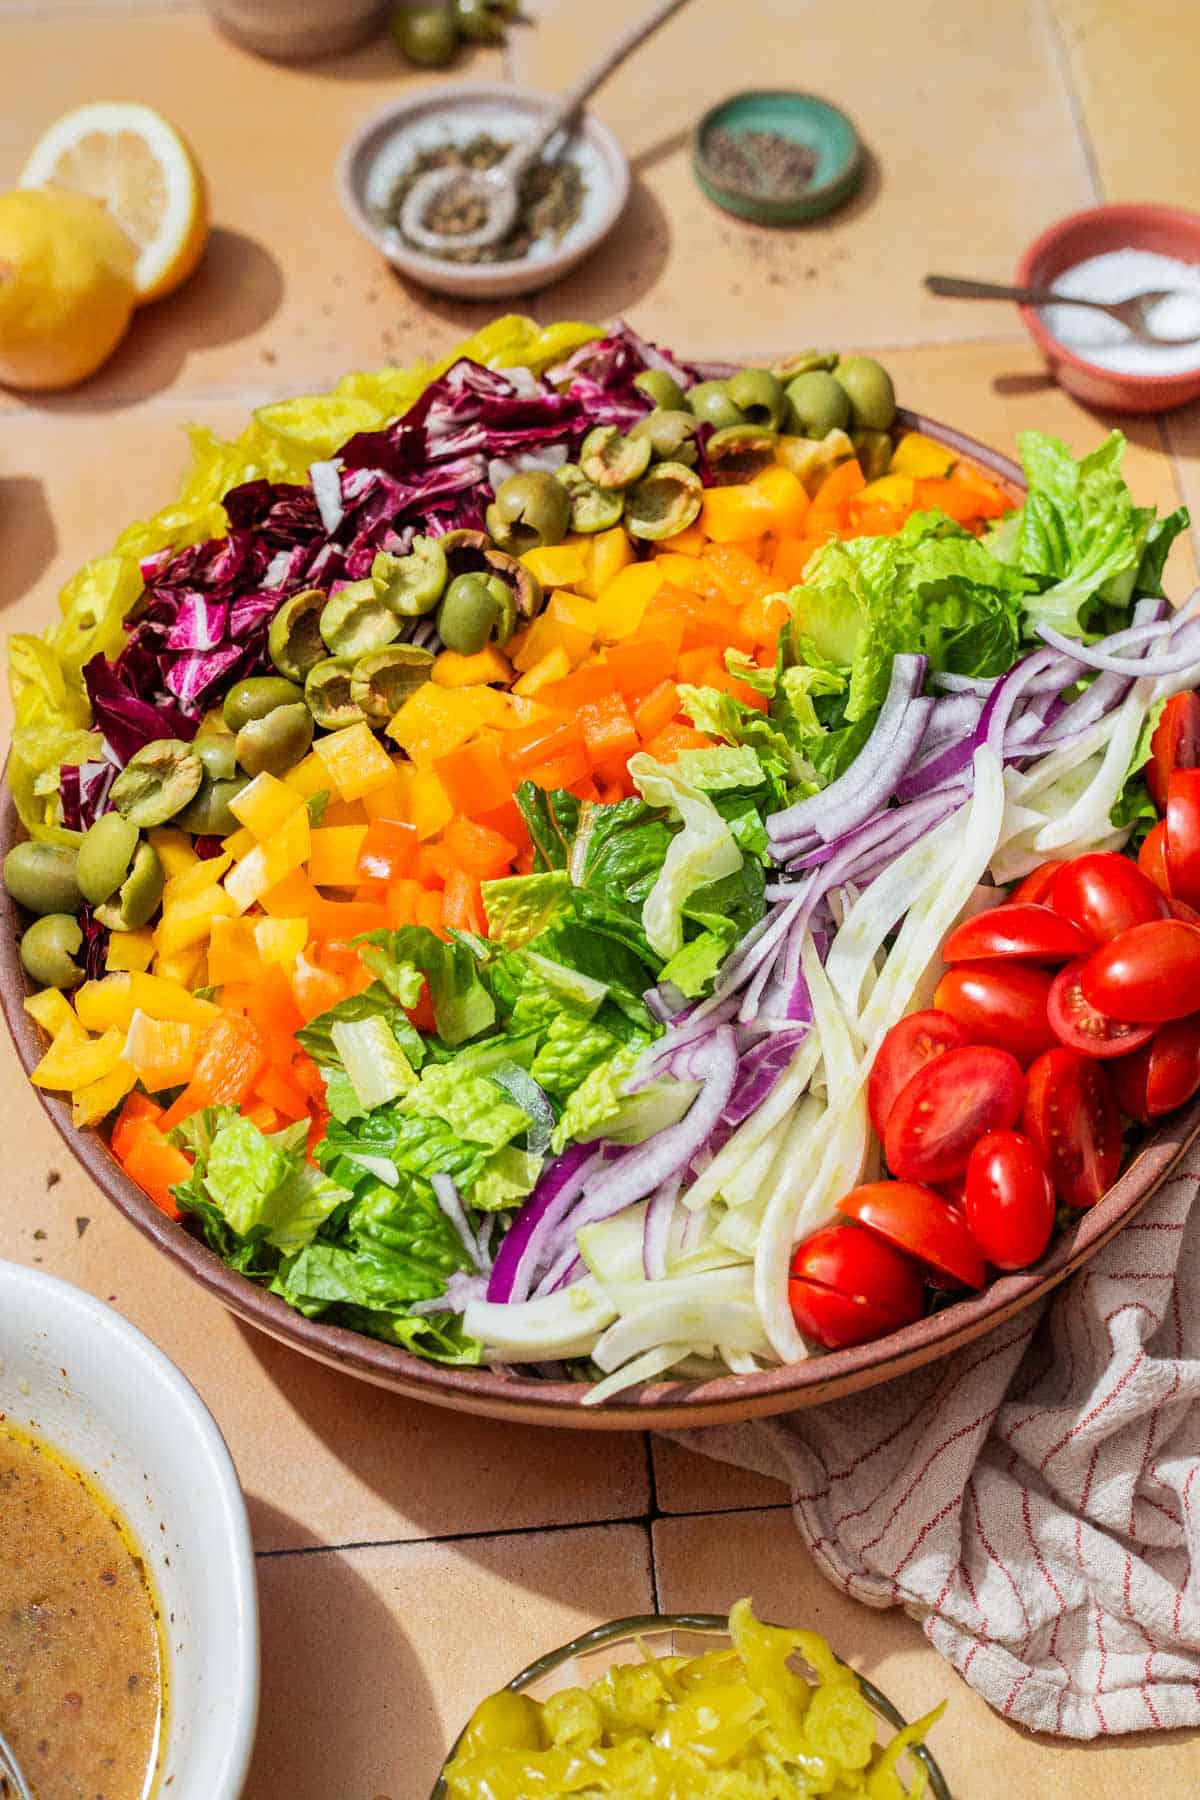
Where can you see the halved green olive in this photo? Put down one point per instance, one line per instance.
(275, 744)
(759, 395)
(664, 501)
(355, 620)
(134, 902)
(801, 361)
(105, 854)
(739, 452)
(44, 877)
(256, 697)
(671, 435)
(592, 508)
(213, 744)
(384, 680)
(158, 781)
(612, 460)
(874, 451)
(49, 949)
(473, 553)
(818, 403)
(476, 610)
(530, 508)
(483, 21)
(810, 459)
(411, 585)
(868, 387)
(660, 387)
(294, 642)
(327, 693)
(710, 402)
(208, 815)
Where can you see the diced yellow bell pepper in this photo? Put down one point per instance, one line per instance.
(546, 634)
(108, 1002)
(52, 1011)
(574, 609)
(431, 808)
(733, 514)
(609, 552)
(892, 489)
(557, 565)
(294, 897)
(240, 843)
(189, 920)
(183, 967)
(68, 1064)
(453, 670)
(309, 776)
(196, 880)
(92, 1103)
(355, 760)
(688, 542)
(233, 952)
(620, 607)
(162, 1052)
(434, 721)
(691, 573)
(344, 812)
(264, 806)
(286, 850)
(333, 859)
(553, 666)
(174, 850)
(130, 950)
(164, 998)
(279, 940)
(921, 457)
(391, 800)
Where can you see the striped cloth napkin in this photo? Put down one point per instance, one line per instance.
(1034, 1501)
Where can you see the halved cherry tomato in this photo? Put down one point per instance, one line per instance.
(940, 1115)
(1175, 745)
(916, 1219)
(1183, 835)
(847, 1286)
(1010, 1199)
(1071, 1115)
(908, 1046)
(1163, 1074)
(1181, 910)
(1152, 857)
(1038, 882)
(1105, 893)
(1002, 1003)
(1083, 1027)
(1148, 974)
(1021, 930)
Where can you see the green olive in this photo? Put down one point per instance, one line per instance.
(132, 906)
(327, 693)
(874, 451)
(868, 387)
(671, 435)
(819, 404)
(411, 585)
(739, 452)
(384, 680)
(473, 613)
(273, 745)
(612, 460)
(592, 508)
(710, 402)
(158, 781)
(664, 501)
(43, 877)
(473, 553)
(530, 508)
(505, 1721)
(294, 642)
(427, 36)
(483, 21)
(801, 361)
(760, 396)
(208, 815)
(660, 387)
(49, 949)
(811, 459)
(105, 855)
(355, 620)
(215, 750)
(256, 697)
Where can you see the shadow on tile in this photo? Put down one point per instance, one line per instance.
(30, 540)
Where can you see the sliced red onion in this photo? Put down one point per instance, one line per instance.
(1002, 701)
(461, 1290)
(656, 1232)
(660, 1056)
(879, 781)
(759, 1070)
(1094, 656)
(559, 1185)
(964, 684)
(326, 479)
(446, 1194)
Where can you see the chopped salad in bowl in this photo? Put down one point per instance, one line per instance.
(571, 859)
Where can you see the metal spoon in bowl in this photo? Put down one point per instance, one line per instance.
(497, 189)
(12, 1782)
(1131, 313)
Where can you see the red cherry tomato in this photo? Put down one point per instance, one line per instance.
(1183, 835)
(1152, 857)
(1020, 930)
(1105, 893)
(1071, 1115)
(1148, 974)
(1175, 745)
(1181, 910)
(847, 1286)
(1163, 1074)
(1038, 883)
(1010, 1199)
(916, 1219)
(1081, 1026)
(946, 1108)
(907, 1047)
(1002, 1003)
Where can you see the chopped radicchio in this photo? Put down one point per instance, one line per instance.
(83, 792)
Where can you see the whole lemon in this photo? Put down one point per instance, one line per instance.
(66, 287)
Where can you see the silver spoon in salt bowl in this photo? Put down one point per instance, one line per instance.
(1132, 313)
(498, 190)
(12, 1783)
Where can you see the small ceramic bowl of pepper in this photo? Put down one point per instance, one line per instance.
(777, 157)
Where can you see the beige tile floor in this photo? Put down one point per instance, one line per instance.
(438, 1554)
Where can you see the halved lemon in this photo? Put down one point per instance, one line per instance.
(135, 163)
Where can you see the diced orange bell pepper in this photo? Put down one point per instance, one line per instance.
(688, 542)
(787, 567)
(561, 771)
(992, 502)
(333, 858)
(462, 904)
(452, 669)
(507, 820)
(431, 808)
(276, 1086)
(138, 1111)
(657, 710)
(594, 681)
(401, 902)
(700, 667)
(231, 1057)
(740, 577)
(663, 624)
(474, 778)
(608, 730)
(667, 745)
(271, 1005)
(764, 619)
(388, 851)
(392, 799)
(314, 989)
(340, 920)
(157, 1167)
(478, 852)
(785, 496)
(551, 668)
(429, 911)
(638, 665)
(732, 513)
(838, 487)
(536, 744)
(263, 1115)
(432, 866)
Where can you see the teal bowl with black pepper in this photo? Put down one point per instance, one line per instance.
(804, 119)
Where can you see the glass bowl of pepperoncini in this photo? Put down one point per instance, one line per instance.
(691, 1705)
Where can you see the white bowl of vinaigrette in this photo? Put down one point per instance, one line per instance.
(128, 1607)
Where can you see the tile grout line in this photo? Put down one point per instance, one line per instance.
(1061, 53)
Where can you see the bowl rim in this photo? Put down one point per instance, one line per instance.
(212, 1463)
(847, 171)
(659, 1405)
(1150, 387)
(454, 95)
